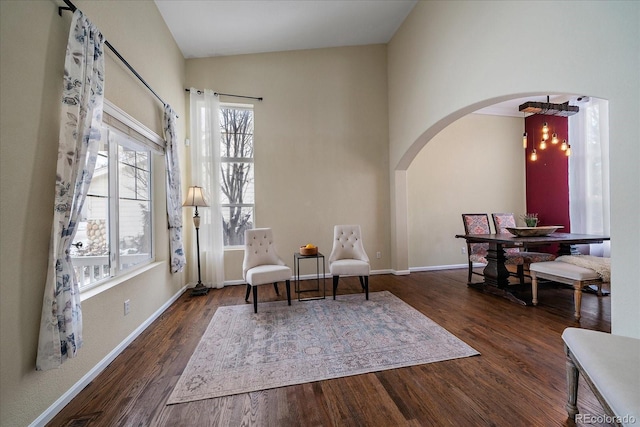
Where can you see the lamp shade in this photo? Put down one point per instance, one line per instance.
(195, 197)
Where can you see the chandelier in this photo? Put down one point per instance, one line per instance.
(548, 109)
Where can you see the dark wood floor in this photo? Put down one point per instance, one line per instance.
(518, 380)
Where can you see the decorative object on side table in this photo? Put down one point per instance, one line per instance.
(195, 198)
(530, 219)
(308, 249)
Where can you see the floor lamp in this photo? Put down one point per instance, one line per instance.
(195, 198)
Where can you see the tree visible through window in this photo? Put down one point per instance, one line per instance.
(236, 172)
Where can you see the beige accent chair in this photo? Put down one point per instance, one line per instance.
(348, 257)
(262, 265)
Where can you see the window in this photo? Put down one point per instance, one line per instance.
(115, 228)
(236, 172)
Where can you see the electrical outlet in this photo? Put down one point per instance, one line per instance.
(127, 307)
(378, 255)
(463, 250)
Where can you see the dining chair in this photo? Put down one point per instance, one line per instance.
(262, 265)
(477, 252)
(348, 257)
(503, 220)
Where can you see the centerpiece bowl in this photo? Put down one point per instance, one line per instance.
(533, 231)
(306, 251)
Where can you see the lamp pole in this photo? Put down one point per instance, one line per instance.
(195, 198)
(199, 289)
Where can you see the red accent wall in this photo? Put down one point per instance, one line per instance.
(548, 177)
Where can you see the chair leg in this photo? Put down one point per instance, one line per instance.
(246, 297)
(366, 287)
(288, 286)
(470, 272)
(361, 278)
(335, 285)
(534, 288)
(255, 299)
(275, 286)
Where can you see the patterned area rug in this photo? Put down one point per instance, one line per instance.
(310, 341)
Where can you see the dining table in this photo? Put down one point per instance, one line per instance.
(496, 274)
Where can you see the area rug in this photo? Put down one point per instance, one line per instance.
(309, 341)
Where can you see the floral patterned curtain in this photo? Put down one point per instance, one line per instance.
(81, 119)
(174, 192)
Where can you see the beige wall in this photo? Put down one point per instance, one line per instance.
(448, 178)
(33, 40)
(320, 143)
(330, 163)
(450, 58)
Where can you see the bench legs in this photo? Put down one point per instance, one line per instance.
(577, 292)
(577, 298)
(572, 387)
(534, 288)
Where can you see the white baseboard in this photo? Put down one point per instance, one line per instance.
(443, 267)
(59, 404)
(307, 277)
(400, 272)
(376, 272)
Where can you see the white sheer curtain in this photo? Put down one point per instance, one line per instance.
(589, 172)
(205, 172)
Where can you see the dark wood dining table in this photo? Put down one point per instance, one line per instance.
(496, 275)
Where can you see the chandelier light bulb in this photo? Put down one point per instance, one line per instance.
(554, 138)
(534, 155)
(564, 145)
(524, 140)
(545, 128)
(543, 144)
(568, 151)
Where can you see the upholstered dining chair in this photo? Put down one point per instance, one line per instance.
(477, 252)
(262, 265)
(348, 257)
(503, 220)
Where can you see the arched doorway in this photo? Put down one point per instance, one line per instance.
(474, 162)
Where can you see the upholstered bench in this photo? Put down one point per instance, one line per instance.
(610, 364)
(564, 273)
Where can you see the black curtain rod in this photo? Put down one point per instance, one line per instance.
(229, 94)
(71, 7)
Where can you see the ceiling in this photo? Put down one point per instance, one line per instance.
(234, 27)
(206, 28)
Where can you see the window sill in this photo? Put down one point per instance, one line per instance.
(93, 291)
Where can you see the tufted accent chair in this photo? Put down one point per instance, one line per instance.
(262, 264)
(348, 257)
(477, 252)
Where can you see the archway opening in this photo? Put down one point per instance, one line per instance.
(474, 162)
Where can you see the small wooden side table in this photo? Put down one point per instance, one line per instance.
(296, 272)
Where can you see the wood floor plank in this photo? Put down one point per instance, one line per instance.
(518, 379)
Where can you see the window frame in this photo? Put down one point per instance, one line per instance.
(132, 135)
(231, 160)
